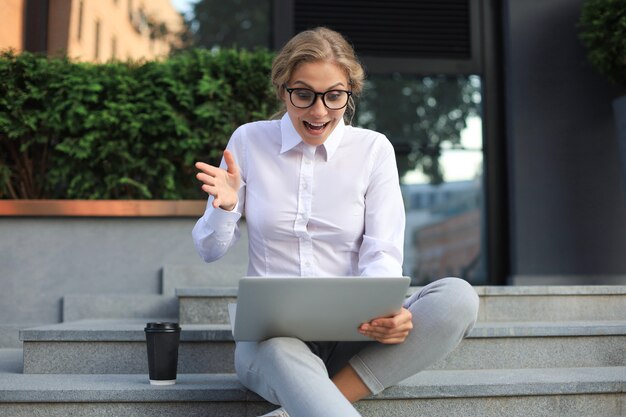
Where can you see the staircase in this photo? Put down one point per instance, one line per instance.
(536, 351)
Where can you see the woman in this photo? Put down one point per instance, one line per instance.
(322, 198)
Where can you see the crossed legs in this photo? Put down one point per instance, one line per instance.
(323, 379)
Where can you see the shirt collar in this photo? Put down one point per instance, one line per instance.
(291, 138)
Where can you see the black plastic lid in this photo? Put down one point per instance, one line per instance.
(158, 326)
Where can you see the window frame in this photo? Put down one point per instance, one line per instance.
(486, 62)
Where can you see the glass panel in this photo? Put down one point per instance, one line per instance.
(435, 126)
(244, 24)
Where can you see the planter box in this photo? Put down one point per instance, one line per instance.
(102, 208)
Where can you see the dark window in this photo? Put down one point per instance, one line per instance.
(80, 19)
(430, 64)
(113, 47)
(394, 28)
(97, 41)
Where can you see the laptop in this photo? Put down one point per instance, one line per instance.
(313, 308)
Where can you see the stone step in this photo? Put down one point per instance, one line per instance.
(497, 304)
(557, 392)
(552, 303)
(11, 361)
(10, 335)
(205, 305)
(222, 273)
(118, 306)
(110, 347)
(118, 346)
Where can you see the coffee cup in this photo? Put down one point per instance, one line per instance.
(162, 340)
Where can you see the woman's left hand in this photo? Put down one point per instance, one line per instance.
(389, 330)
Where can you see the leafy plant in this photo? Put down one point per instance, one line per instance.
(123, 130)
(603, 31)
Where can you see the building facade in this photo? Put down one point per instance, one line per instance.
(11, 29)
(92, 30)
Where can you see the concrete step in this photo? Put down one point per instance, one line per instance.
(559, 392)
(11, 361)
(552, 303)
(10, 335)
(111, 347)
(205, 305)
(118, 306)
(222, 273)
(118, 346)
(497, 304)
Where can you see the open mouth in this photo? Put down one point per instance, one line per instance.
(315, 127)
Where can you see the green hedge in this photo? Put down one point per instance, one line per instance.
(123, 130)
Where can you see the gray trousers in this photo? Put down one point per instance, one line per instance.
(296, 375)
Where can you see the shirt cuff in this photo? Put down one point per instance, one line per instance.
(221, 220)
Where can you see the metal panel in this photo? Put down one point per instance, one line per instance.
(394, 28)
(415, 36)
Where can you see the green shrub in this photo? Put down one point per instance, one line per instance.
(123, 130)
(603, 32)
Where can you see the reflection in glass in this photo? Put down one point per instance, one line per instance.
(435, 126)
(237, 23)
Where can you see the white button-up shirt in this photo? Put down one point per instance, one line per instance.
(331, 210)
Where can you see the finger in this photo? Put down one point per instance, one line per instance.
(392, 341)
(390, 323)
(383, 323)
(202, 166)
(205, 179)
(402, 327)
(386, 333)
(380, 331)
(403, 317)
(207, 169)
(377, 332)
(209, 189)
(230, 162)
(387, 339)
(399, 323)
(379, 328)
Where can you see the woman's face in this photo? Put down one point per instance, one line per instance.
(314, 124)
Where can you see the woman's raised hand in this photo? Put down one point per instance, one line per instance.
(222, 184)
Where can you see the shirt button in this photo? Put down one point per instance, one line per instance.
(305, 186)
(307, 264)
(307, 162)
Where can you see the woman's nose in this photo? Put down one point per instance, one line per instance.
(318, 108)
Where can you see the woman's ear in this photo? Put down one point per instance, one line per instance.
(284, 95)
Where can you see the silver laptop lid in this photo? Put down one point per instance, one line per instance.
(313, 308)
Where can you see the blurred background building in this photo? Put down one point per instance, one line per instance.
(92, 30)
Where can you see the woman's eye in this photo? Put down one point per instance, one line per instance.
(334, 95)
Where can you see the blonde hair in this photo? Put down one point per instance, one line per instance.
(319, 44)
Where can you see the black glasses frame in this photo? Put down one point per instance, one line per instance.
(316, 94)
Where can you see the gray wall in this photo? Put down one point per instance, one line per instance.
(568, 216)
(41, 260)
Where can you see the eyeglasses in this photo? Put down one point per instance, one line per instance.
(304, 98)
